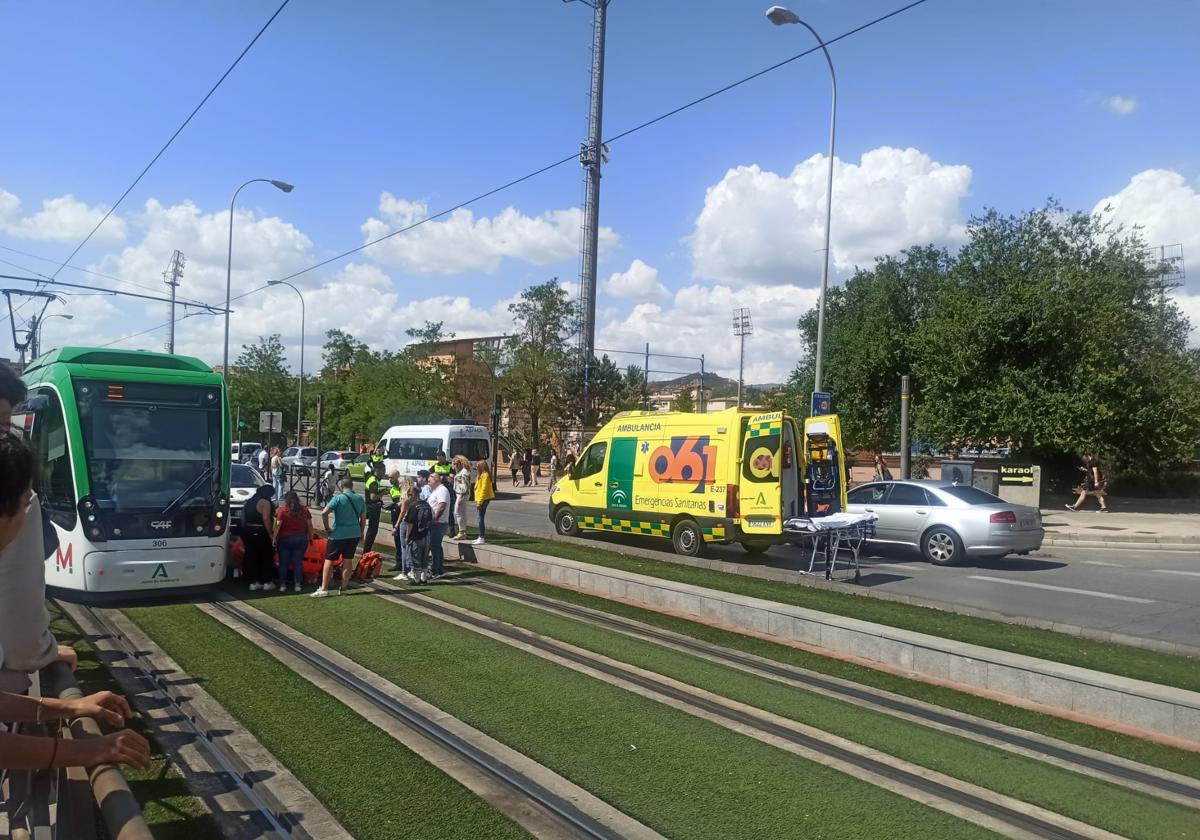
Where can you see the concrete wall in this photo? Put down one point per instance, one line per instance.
(1169, 713)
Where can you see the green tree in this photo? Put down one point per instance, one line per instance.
(869, 327)
(1052, 334)
(260, 381)
(537, 359)
(685, 400)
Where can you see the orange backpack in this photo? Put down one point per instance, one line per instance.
(369, 566)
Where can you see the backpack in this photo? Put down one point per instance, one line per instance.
(422, 517)
(368, 566)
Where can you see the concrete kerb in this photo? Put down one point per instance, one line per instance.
(1167, 713)
(818, 581)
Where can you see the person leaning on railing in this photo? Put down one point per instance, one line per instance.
(36, 752)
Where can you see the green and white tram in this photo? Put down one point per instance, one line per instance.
(133, 468)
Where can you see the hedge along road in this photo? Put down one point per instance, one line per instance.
(676, 773)
(1144, 593)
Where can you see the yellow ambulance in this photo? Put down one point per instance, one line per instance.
(728, 476)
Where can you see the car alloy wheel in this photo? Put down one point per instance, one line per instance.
(942, 547)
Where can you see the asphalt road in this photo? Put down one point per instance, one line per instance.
(1148, 593)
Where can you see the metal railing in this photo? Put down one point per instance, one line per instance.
(74, 792)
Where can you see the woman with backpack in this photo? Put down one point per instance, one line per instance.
(461, 485)
(417, 523)
(1094, 484)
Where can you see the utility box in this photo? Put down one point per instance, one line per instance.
(986, 480)
(959, 472)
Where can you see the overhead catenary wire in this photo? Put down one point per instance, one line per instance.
(171, 140)
(83, 270)
(572, 157)
(575, 155)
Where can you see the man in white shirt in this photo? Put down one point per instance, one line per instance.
(262, 457)
(439, 501)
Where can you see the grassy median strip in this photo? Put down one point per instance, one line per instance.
(374, 785)
(170, 809)
(1109, 806)
(1135, 749)
(1136, 663)
(683, 776)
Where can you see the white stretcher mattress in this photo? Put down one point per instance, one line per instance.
(832, 522)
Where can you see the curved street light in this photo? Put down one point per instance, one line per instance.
(780, 16)
(284, 186)
(42, 322)
(300, 388)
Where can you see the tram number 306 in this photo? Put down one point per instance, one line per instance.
(159, 544)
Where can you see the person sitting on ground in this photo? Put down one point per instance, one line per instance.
(462, 492)
(1094, 484)
(349, 523)
(418, 521)
(26, 643)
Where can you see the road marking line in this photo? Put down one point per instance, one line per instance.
(1102, 563)
(1091, 592)
(1175, 572)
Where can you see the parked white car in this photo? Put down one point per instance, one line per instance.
(300, 456)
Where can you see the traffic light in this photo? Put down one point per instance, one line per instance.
(241, 424)
(499, 406)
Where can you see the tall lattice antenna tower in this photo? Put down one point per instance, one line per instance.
(171, 277)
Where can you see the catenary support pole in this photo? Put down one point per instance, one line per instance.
(905, 454)
(591, 158)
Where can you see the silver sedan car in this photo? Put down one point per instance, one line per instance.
(947, 522)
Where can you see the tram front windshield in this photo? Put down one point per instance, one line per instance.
(148, 443)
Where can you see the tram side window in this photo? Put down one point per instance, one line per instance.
(52, 480)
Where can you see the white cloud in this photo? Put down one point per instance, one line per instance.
(1190, 306)
(1163, 204)
(264, 248)
(638, 283)
(698, 321)
(62, 219)
(461, 242)
(761, 227)
(1122, 106)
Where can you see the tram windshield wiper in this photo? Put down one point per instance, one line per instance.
(204, 475)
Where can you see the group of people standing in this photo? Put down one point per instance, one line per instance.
(424, 510)
(526, 467)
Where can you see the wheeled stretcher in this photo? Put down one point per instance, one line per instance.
(828, 536)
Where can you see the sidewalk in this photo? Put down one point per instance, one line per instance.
(1121, 529)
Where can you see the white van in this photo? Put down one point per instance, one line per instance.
(241, 453)
(412, 448)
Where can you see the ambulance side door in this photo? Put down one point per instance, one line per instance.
(760, 489)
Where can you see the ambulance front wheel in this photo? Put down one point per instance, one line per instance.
(687, 538)
(565, 523)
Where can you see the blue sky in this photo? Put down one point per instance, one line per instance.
(423, 104)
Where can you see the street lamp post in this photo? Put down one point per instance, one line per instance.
(280, 185)
(780, 16)
(300, 388)
(42, 322)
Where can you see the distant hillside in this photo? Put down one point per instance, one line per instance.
(719, 385)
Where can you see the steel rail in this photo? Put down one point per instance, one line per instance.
(230, 763)
(1034, 826)
(1085, 760)
(572, 817)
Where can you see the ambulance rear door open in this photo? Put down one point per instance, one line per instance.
(760, 494)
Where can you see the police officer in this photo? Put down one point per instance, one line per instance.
(374, 498)
(445, 469)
